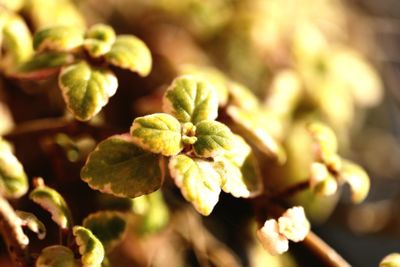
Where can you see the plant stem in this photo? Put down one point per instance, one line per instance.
(290, 191)
(14, 237)
(321, 249)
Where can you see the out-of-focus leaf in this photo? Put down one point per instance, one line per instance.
(58, 38)
(90, 248)
(53, 202)
(153, 212)
(108, 226)
(321, 180)
(190, 99)
(391, 260)
(358, 180)
(253, 125)
(129, 52)
(47, 13)
(7, 122)
(13, 5)
(216, 78)
(118, 167)
(242, 97)
(42, 65)
(32, 222)
(198, 180)
(86, 89)
(99, 39)
(56, 256)
(157, 133)
(13, 180)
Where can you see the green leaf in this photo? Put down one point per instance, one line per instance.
(239, 171)
(216, 78)
(358, 180)
(17, 41)
(86, 89)
(99, 39)
(56, 256)
(198, 180)
(213, 139)
(108, 226)
(254, 126)
(158, 133)
(13, 180)
(58, 38)
(41, 65)
(242, 97)
(153, 212)
(53, 202)
(129, 52)
(190, 99)
(32, 222)
(118, 167)
(90, 248)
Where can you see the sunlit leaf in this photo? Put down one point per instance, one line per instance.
(99, 39)
(129, 52)
(32, 222)
(56, 256)
(358, 180)
(58, 38)
(157, 133)
(13, 5)
(53, 202)
(198, 180)
(190, 99)
(108, 226)
(391, 260)
(321, 180)
(13, 180)
(213, 139)
(90, 248)
(242, 97)
(118, 167)
(86, 89)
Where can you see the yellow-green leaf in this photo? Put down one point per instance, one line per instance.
(108, 226)
(56, 256)
(13, 180)
(118, 167)
(213, 139)
(90, 248)
(58, 38)
(99, 39)
(391, 260)
(32, 222)
(198, 180)
(157, 133)
(86, 89)
(358, 180)
(13, 5)
(53, 202)
(191, 99)
(242, 97)
(129, 52)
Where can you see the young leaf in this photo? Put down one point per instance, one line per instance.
(56, 256)
(118, 167)
(58, 38)
(198, 180)
(358, 180)
(90, 248)
(42, 65)
(253, 125)
(157, 133)
(53, 202)
(190, 99)
(129, 52)
(86, 89)
(32, 222)
(242, 97)
(99, 39)
(213, 139)
(108, 226)
(13, 180)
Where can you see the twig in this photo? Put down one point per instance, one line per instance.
(289, 191)
(326, 253)
(11, 230)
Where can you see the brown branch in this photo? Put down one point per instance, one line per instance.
(289, 191)
(322, 250)
(14, 237)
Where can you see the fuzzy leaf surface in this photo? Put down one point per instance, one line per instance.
(86, 89)
(190, 99)
(129, 52)
(158, 133)
(198, 180)
(119, 167)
